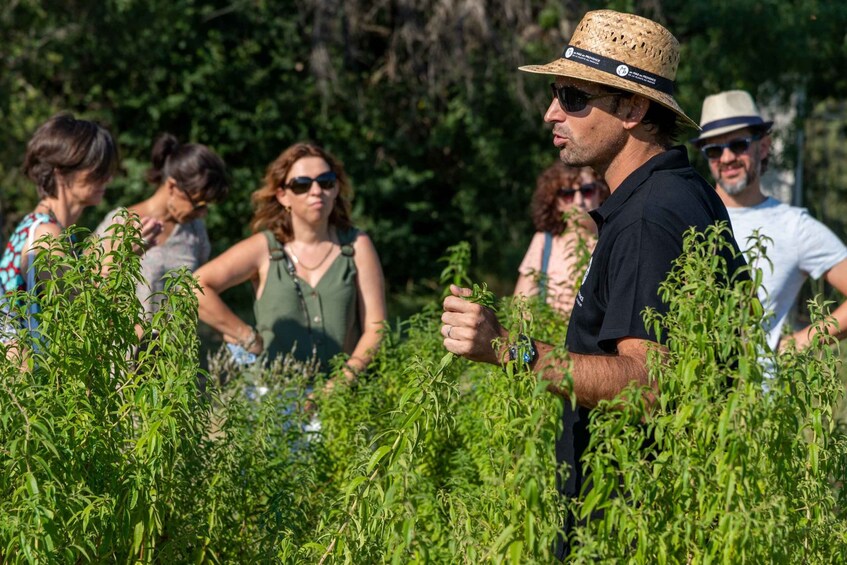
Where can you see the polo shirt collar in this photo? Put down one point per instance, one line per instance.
(674, 158)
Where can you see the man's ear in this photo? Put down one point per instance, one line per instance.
(765, 146)
(634, 110)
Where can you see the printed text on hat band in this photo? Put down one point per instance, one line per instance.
(624, 71)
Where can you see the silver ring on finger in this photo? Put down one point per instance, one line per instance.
(448, 332)
(144, 243)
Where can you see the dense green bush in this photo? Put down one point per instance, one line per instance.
(96, 424)
(115, 448)
(745, 462)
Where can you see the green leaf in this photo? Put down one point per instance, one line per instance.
(32, 484)
(377, 456)
(137, 537)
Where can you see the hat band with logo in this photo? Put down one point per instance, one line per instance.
(621, 51)
(618, 68)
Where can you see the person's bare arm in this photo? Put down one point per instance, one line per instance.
(371, 285)
(526, 285)
(470, 330)
(371, 291)
(43, 229)
(239, 263)
(597, 377)
(837, 277)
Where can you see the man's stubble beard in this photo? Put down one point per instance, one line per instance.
(598, 159)
(751, 176)
(736, 188)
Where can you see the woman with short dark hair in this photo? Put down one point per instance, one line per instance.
(70, 161)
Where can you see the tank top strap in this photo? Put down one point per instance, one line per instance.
(548, 247)
(543, 281)
(277, 255)
(346, 239)
(274, 246)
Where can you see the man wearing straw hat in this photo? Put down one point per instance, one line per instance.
(612, 109)
(736, 143)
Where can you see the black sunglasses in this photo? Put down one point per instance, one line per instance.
(568, 193)
(299, 185)
(573, 99)
(738, 146)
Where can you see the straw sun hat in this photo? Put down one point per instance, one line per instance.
(622, 51)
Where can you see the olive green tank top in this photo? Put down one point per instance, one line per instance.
(323, 320)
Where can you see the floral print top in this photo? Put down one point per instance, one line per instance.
(11, 276)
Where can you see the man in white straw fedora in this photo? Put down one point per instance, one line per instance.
(612, 109)
(736, 142)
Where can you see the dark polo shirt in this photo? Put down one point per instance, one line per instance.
(641, 227)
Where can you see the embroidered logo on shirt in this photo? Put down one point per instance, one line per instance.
(579, 297)
(588, 268)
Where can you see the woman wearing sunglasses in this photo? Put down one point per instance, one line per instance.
(188, 177)
(565, 234)
(317, 280)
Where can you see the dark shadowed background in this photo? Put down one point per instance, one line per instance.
(421, 100)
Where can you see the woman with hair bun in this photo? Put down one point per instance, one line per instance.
(70, 161)
(317, 279)
(188, 177)
(560, 204)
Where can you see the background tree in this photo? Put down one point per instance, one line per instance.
(442, 135)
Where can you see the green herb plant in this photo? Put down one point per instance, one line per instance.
(95, 423)
(463, 469)
(116, 447)
(738, 460)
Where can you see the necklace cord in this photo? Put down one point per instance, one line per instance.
(289, 266)
(302, 264)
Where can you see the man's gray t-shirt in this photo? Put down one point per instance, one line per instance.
(801, 247)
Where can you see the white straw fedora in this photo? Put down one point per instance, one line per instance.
(729, 111)
(622, 51)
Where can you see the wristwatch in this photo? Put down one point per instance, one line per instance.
(523, 350)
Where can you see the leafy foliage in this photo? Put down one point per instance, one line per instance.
(463, 469)
(114, 448)
(96, 424)
(744, 458)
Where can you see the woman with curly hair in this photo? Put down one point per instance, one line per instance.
(317, 279)
(564, 233)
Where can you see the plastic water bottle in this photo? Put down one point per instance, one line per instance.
(240, 355)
